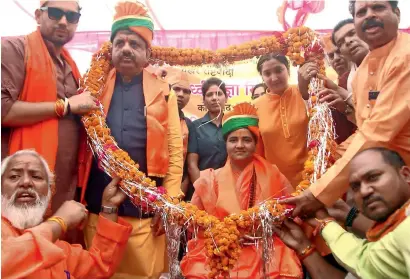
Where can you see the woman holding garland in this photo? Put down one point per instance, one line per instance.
(283, 119)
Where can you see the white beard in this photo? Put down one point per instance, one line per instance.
(25, 216)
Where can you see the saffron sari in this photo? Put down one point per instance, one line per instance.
(222, 192)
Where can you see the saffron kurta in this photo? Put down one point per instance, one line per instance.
(222, 192)
(380, 92)
(31, 254)
(283, 124)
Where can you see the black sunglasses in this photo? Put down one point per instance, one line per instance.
(57, 14)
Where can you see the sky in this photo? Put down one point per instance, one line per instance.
(255, 15)
(240, 15)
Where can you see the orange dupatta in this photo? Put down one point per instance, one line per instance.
(220, 193)
(380, 229)
(40, 85)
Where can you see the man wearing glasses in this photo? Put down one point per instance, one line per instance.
(39, 100)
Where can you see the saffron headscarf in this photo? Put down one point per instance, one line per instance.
(242, 115)
(133, 15)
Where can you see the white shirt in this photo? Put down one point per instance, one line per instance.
(353, 70)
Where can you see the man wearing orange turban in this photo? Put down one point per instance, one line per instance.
(143, 117)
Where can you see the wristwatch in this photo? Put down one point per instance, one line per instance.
(353, 213)
(109, 209)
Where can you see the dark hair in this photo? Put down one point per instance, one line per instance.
(267, 57)
(390, 157)
(253, 135)
(213, 81)
(394, 5)
(257, 86)
(340, 25)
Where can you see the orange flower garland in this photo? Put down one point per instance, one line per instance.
(298, 43)
(222, 237)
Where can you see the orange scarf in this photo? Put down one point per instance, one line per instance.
(380, 229)
(185, 133)
(40, 85)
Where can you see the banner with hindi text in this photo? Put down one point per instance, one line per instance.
(239, 77)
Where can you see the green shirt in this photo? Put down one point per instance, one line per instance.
(388, 258)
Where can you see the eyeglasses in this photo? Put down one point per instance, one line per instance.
(57, 14)
(178, 89)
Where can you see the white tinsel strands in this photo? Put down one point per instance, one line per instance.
(173, 233)
(179, 215)
(321, 130)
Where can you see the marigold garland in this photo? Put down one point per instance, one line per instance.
(300, 44)
(221, 236)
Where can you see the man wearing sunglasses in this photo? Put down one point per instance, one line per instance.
(39, 100)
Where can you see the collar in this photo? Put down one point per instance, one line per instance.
(277, 96)
(206, 118)
(4, 219)
(181, 114)
(386, 49)
(135, 80)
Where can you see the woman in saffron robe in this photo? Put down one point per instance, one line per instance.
(246, 180)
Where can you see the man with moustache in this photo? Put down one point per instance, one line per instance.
(342, 119)
(143, 118)
(380, 181)
(345, 38)
(39, 101)
(30, 247)
(381, 95)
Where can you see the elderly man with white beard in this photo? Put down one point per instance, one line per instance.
(30, 247)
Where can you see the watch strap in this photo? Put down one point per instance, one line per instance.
(109, 209)
(351, 216)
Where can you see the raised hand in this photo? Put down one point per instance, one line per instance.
(292, 235)
(306, 204)
(308, 71)
(157, 225)
(113, 196)
(82, 103)
(73, 213)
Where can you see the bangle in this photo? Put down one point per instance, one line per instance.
(307, 252)
(59, 108)
(59, 221)
(353, 213)
(348, 97)
(65, 106)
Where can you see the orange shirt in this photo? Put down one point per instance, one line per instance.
(32, 254)
(283, 123)
(384, 121)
